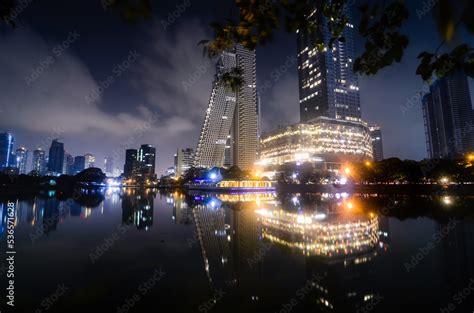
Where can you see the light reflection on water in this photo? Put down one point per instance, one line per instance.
(260, 249)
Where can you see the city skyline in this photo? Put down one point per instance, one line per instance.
(173, 107)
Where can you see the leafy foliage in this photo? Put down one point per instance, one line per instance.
(384, 45)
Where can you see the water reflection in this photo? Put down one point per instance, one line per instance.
(260, 248)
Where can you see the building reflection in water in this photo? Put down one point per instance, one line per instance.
(336, 237)
(137, 208)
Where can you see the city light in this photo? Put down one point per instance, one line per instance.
(445, 180)
(347, 170)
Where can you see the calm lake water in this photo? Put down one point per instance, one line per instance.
(144, 251)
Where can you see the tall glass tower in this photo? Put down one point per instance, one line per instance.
(39, 161)
(6, 150)
(230, 126)
(448, 116)
(56, 158)
(327, 84)
(21, 159)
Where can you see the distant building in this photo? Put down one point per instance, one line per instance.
(377, 142)
(324, 140)
(56, 158)
(69, 164)
(39, 162)
(448, 116)
(231, 114)
(79, 164)
(327, 84)
(6, 150)
(183, 161)
(21, 157)
(90, 160)
(146, 161)
(109, 166)
(131, 164)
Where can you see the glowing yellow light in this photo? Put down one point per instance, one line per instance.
(368, 163)
(347, 170)
(350, 205)
(447, 200)
(445, 180)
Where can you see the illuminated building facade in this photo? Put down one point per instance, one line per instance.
(377, 142)
(90, 160)
(6, 150)
(183, 161)
(21, 159)
(325, 139)
(39, 161)
(327, 84)
(146, 161)
(231, 120)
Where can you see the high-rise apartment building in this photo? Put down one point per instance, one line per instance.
(69, 164)
(6, 150)
(109, 166)
(21, 157)
(39, 162)
(56, 158)
(183, 161)
(327, 84)
(377, 142)
(232, 117)
(448, 116)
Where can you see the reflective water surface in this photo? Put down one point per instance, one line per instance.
(141, 251)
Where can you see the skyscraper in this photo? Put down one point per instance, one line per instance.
(231, 114)
(109, 166)
(130, 167)
(21, 159)
(327, 84)
(39, 161)
(6, 150)
(448, 116)
(146, 160)
(56, 158)
(183, 161)
(90, 160)
(69, 164)
(79, 164)
(377, 142)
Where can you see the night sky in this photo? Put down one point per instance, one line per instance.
(161, 97)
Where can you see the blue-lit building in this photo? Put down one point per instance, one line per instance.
(56, 158)
(6, 151)
(21, 158)
(79, 164)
